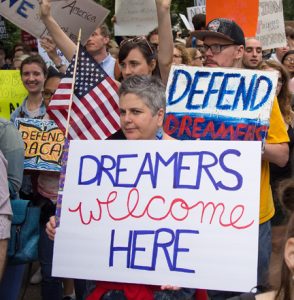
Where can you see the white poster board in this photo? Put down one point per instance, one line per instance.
(195, 10)
(270, 25)
(134, 17)
(188, 25)
(70, 15)
(219, 103)
(199, 199)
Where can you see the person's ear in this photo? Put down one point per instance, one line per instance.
(160, 115)
(239, 52)
(289, 254)
(152, 64)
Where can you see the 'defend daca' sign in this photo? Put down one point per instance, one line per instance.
(43, 143)
(161, 212)
(219, 103)
(71, 15)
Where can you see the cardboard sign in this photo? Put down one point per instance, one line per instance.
(161, 212)
(271, 26)
(195, 10)
(71, 15)
(135, 17)
(43, 142)
(244, 13)
(219, 103)
(188, 25)
(12, 92)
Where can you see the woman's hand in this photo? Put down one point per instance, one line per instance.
(51, 228)
(45, 9)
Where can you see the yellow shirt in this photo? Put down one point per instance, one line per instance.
(276, 134)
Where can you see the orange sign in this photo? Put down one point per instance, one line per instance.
(244, 13)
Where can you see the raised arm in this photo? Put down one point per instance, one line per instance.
(166, 46)
(63, 42)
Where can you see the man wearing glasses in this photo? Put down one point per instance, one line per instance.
(224, 44)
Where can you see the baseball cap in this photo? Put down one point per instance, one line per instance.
(224, 28)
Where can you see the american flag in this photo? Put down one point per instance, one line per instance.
(94, 113)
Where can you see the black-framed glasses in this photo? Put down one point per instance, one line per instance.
(137, 40)
(47, 94)
(216, 48)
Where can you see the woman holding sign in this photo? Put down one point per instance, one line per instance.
(136, 55)
(142, 110)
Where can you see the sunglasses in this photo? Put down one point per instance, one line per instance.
(137, 40)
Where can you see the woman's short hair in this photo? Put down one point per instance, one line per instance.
(148, 88)
(35, 59)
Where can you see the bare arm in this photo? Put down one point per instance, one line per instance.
(63, 42)
(50, 47)
(166, 46)
(276, 153)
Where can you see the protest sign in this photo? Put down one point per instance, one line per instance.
(244, 13)
(12, 92)
(71, 15)
(271, 27)
(161, 212)
(3, 32)
(43, 142)
(189, 25)
(219, 103)
(199, 2)
(135, 17)
(195, 10)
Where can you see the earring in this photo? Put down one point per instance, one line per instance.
(159, 133)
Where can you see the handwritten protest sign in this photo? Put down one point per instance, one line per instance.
(134, 17)
(168, 212)
(188, 24)
(71, 15)
(245, 13)
(271, 27)
(219, 103)
(12, 92)
(195, 10)
(43, 142)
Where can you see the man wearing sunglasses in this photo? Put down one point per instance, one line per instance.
(224, 43)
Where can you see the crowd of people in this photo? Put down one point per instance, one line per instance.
(140, 66)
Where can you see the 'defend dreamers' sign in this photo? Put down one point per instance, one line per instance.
(161, 212)
(219, 103)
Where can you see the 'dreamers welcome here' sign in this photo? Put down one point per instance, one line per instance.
(219, 103)
(161, 212)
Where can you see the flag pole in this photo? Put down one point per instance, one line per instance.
(73, 84)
